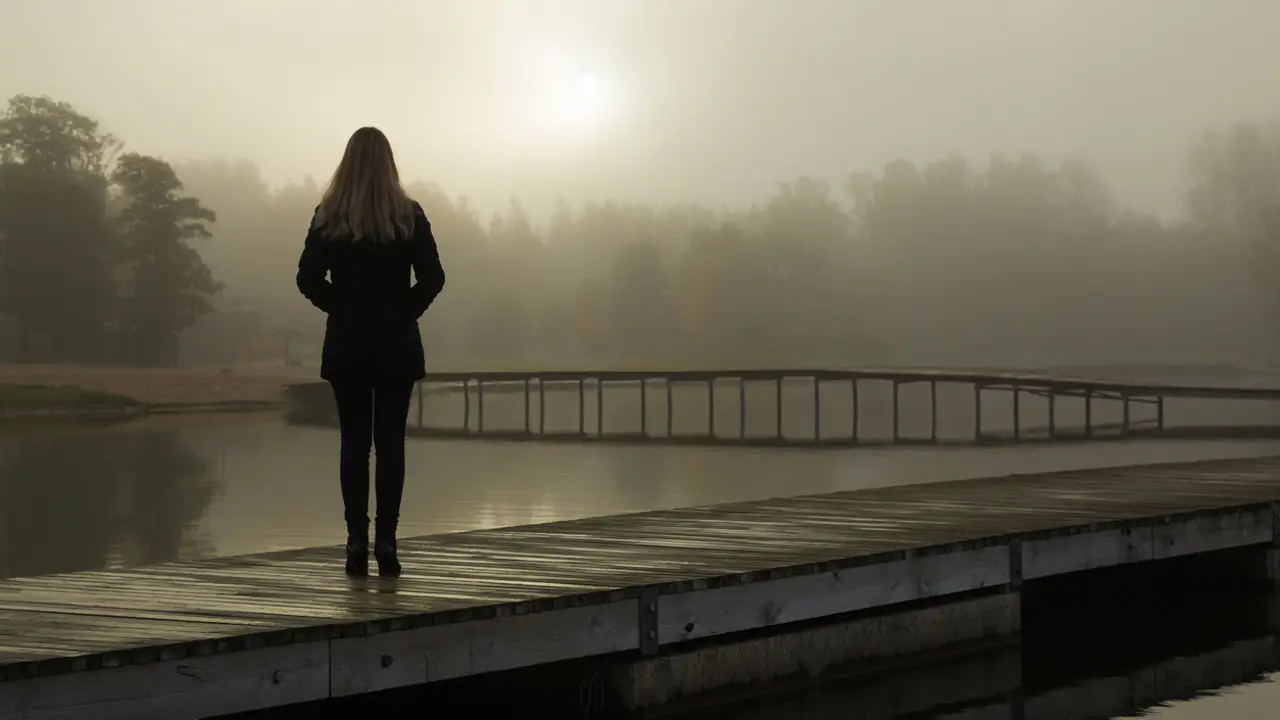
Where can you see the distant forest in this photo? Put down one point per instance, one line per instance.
(108, 256)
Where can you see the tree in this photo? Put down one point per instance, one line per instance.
(166, 283)
(1234, 199)
(56, 279)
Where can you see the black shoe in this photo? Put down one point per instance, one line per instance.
(384, 550)
(357, 556)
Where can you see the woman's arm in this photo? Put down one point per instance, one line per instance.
(313, 267)
(427, 269)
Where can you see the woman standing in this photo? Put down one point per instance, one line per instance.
(366, 235)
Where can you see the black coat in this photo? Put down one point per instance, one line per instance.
(373, 310)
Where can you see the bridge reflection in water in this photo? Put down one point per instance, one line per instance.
(817, 407)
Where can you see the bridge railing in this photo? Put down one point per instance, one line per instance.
(1025, 407)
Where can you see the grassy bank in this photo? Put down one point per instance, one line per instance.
(17, 398)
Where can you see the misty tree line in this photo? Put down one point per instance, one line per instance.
(95, 260)
(1014, 261)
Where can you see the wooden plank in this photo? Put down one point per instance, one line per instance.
(694, 615)
(188, 688)
(427, 654)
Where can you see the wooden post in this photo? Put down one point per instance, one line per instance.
(527, 429)
(542, 407)
(817, 409)
(933, 411)
(853, 403)
(1124, 417)
(582, 407)
(420, 403)
(777, 386)
(711, 407)
(600, 408)
(479, 406)
(1053, 424)
(644, 390)
(977, 413)
(1088, 413)
(1160, 413)
(1017, 412)
(742, 408)
(896, 432)
(466, 405)
(671, 413)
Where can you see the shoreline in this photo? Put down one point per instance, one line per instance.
(45, 391)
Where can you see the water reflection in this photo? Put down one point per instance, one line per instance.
(75, 498)
(167, 487)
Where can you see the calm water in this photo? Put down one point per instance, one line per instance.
(76, 497)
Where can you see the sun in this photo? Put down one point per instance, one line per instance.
(582, 96)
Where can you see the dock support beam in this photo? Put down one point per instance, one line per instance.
(742, 408)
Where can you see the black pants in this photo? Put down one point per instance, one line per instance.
(372, 412)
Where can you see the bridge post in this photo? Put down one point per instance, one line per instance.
(600, 408)
(479, 406)
(711, 407)
(817, 409)
(933, 411)
(542, 406)
(1088, 413)
(1053, 429)
(1017, 412)
(644, 392)
(777, 386)
(853, 401)
(1124, 417)
(466, 405)
(1160, 413)
(671, 413)
(895, 412)
(582, 407)
(420, 396)
(977, 412)
(742, 408)
(527, 431)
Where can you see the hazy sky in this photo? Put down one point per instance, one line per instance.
(713, 100)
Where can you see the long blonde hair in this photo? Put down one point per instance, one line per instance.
(364, 200)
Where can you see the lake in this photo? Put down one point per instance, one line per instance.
(77, 496)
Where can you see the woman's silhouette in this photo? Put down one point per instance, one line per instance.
(366, 235)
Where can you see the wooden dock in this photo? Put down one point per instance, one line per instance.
(215, 636)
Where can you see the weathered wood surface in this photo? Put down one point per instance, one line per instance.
(77, 621)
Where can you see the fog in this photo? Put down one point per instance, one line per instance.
(993, 182)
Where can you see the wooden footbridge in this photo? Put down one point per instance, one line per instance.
(820, 407)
